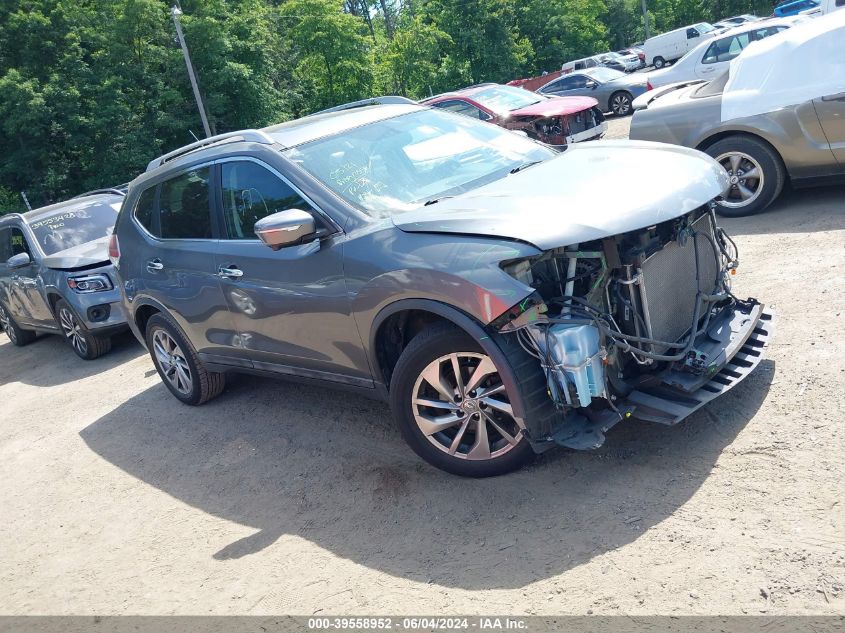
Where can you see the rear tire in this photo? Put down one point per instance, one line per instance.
(17, 335)
(470, 431)
(742, 156)
(659, 62)
(82, 341)
(178, 365)
(621, 102)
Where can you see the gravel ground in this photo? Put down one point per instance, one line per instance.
(281, 498)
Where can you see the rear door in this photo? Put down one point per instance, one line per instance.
(831, 112)
(290, 306)
(176, 267)
(719, 54)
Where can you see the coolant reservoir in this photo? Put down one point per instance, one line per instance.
(575, 350)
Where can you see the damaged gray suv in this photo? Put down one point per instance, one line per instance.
(502, 297)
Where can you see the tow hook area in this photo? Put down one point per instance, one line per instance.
(582, 433)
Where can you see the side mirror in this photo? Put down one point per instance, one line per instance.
(19, 261)
(592, 85)
(285, 228)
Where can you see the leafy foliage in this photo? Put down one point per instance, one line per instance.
(91, 90)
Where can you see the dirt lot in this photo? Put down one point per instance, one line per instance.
(279, 498)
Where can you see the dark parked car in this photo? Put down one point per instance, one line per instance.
(778, 114)
(552, 121)
(614, 90)
(498, 293)
(55, 274)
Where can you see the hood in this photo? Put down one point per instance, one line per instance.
(556, 106)
(87, 254)
(592, 190)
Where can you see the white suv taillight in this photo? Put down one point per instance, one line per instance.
(114, 250)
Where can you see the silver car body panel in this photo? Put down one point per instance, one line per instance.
(527, 206)
(805, 142)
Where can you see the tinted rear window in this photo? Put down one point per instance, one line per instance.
(73, 226)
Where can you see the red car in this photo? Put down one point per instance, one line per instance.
(552, 120)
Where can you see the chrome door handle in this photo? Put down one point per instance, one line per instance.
(231, 272)
(154, 265)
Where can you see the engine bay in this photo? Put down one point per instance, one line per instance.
(645, 312)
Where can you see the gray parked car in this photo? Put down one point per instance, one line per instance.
(496, 292)
(56, 277)
(778, 114)
(614, 90)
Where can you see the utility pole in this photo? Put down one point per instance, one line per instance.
(175, 12)
(26, 200)
(645, 19)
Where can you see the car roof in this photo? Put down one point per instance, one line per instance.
(310, 128)
(287, 134)
(83, 201)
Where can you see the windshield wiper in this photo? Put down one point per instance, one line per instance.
(519, 168)
(435, 200)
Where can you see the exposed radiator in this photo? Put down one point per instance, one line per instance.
(668, 285)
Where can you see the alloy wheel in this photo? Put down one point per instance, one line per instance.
(461, 406)
(746, 179)
(7, 326)
(172, 362)
(73, 331)
(620, 105)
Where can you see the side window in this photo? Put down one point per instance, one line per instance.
(462, 107)
(712, 54)
(19, 243)
(183, 206)
(144, 210)
(580, 65)
(251, 192)
(578, 81)
(568, 83)
(5, 245)
(840, 3)
(691, 33)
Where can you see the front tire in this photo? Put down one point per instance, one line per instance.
(178, 365)
(82, 341)
(17, 335)
(756, 171)
(452, 408)
(659, 62)
(620, 103)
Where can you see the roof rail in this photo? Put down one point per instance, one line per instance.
(120, 190)
(383, 100)
(253, 136)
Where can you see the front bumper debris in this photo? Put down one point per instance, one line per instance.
(739, 338)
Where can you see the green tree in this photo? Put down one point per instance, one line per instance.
(485, 36)
(561, 30)
(332, 53)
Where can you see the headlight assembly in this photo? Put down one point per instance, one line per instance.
(90, 283)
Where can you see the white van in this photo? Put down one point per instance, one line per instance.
(667, 47)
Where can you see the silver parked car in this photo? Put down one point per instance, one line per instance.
(614, 90)
(56, 277)
(499, 294)
(778, 114)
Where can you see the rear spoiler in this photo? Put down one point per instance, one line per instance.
(644, 100)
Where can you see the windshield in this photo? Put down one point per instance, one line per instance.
(606, 74)
(74, 225)
(704, 27)
(403, 162)
(503, 99)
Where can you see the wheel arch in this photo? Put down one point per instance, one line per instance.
(410, 314)
(712, 139)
